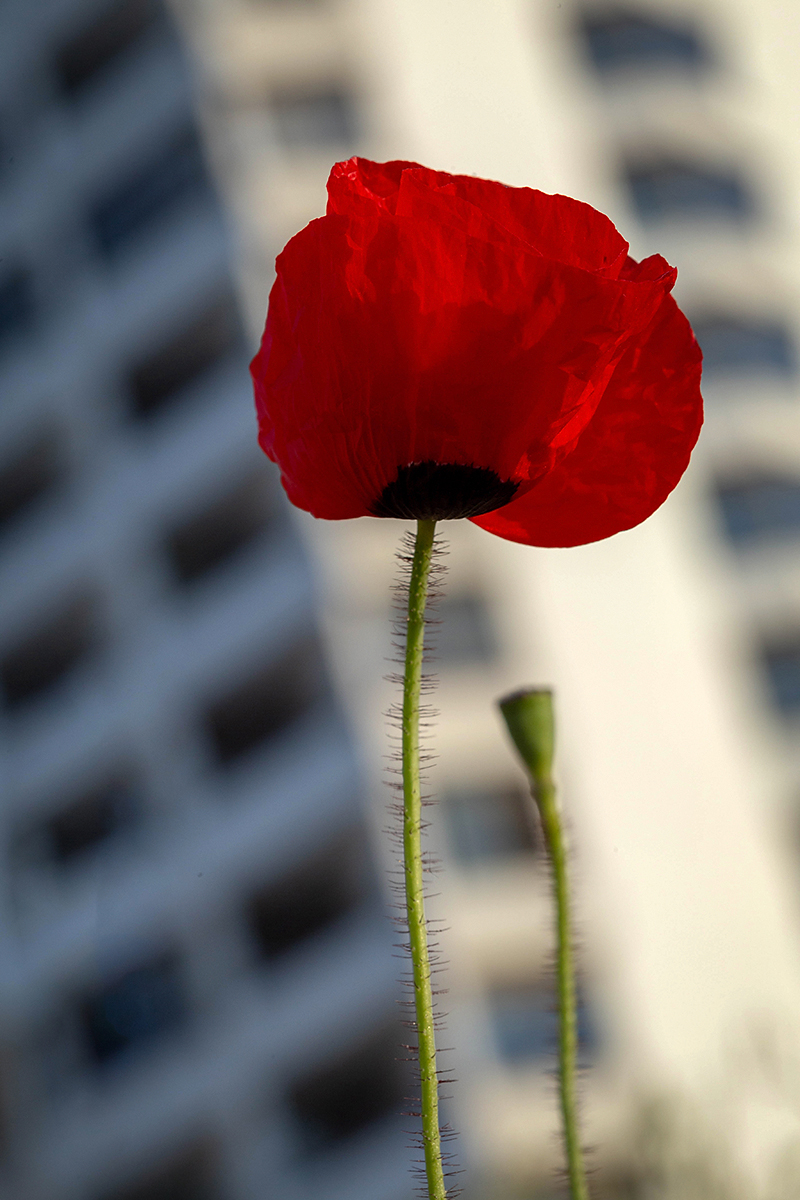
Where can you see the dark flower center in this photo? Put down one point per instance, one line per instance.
(432, 491)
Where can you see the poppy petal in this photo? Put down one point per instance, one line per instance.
(431, 333)
(630, 455)
(557, 227)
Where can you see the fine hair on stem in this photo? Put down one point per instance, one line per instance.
(415, 596)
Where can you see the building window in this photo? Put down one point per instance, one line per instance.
(17, 307)
(191, 1175)
(460, 631)
(267, 703)
(314, 118)
(311, 898)
(488, 824)
(150, 195)
(172, 366)
(90, 821)
(217, 534)
(82, 825)
(678, 189)
(525, 1024)
(758, 508)
(365, 1084)
(781, 661)
(734, 346)
(134, 1010)
(624, 39)
(114, 30)
(29, 475)
(48, 654)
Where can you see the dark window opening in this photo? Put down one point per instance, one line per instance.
(314, 118)
(731, 346)
(490, 823)
(173, 366)
(80, 825)
(525, 1024)
(151, 194)
(311, 898)
(672, 189)
(189, 1176)
(365, 1084)
(760, 507)
(134, 1010)
(91, 820)
(30, 475)
(460, 631)
(46, 656)
(620, 39)
(267, 703)
(781, 661)
(17, 307)
(115, 29)
(216, 535)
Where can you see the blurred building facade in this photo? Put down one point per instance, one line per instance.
(197, 981)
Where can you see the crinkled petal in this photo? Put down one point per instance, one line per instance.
(631, 454)
(554, 226)
(420, 334)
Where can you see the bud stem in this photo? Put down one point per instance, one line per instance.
(529, 717)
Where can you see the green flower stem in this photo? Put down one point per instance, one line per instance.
(529, 717)
(412, 855)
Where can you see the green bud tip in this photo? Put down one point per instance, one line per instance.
(528, 715)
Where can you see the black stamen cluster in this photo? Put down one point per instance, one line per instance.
(431, 491)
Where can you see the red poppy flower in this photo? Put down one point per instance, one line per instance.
(442, 346)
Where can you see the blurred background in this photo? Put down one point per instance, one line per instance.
(199, 983)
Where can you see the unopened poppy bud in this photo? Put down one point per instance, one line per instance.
(528, 715)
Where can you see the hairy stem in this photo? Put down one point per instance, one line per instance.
(529, 717)
(412, 856)
(565, 972)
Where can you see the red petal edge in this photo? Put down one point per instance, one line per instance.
(631, 454)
